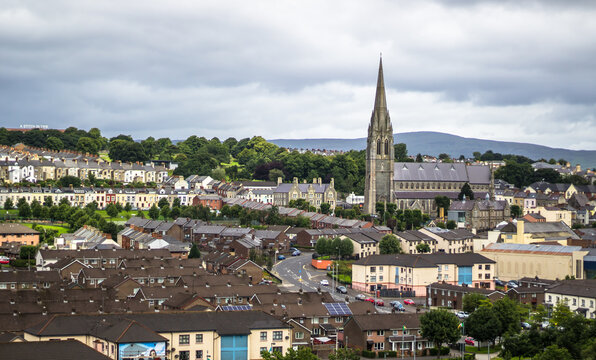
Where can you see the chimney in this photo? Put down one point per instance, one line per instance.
(279, 180)
(295, 180)
(314, 180)
(332, 183)
(520, 231)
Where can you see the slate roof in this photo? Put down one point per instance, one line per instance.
(584, 288)
(14, 228)
(453, 172)
(63, 350)
(387, 321)
(531, 248)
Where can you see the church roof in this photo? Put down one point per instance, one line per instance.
(456, 172)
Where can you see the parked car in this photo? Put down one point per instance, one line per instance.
(293, 249)
(281, 257)
(325, 282)
(469, 341)
(360, 297)
(379, 302)
(499, 282)
(526, 325)
(398, 306)
(512, 284)
(341, 289)
(315, 256)
(394, 302)
(409, 302)
(296, 253)
(370, 300)
(4, 260)
(462, 314)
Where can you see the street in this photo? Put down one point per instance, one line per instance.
(297, 272)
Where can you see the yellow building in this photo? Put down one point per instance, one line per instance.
(523, 232)
(514, 261)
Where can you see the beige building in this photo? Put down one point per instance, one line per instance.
(457, 241)
(514, 261)
(578, 295)
(188, 335)
(412, 273)
(315, 194)
(552, 214)
(522, 232)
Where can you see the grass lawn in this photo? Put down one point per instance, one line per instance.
(61, 229)
(482, 349)
(122, 216)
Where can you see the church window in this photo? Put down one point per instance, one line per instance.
(386, 147)
(378, 146)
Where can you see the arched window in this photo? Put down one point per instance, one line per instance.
(386, 147)
(378, 146)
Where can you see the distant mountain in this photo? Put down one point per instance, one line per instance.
(434, 143)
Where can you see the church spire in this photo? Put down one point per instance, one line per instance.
(380, 101)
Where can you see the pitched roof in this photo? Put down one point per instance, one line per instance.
(63, 350)
(387, 321)
(424, 260)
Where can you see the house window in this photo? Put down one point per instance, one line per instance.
(263, 335)
(315, 320)
(380, 268)
(183, 339)
(278, 349)
(373, 269)
(380, 346)
(199, 338)
(338, 319)
(380, 277)
(487, 276)
(381, 332)
(373, 279)
(277, 335)
(199, 354)
(263, 349)
(369, 333)
(299, 335)
(486, 267)
(185, 355)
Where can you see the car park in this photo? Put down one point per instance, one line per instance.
(409, 302)
(341, 289)
(469, 341)
(325, 282)
(281, 257)
(360, 297)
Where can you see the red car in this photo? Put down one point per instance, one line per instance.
(409, 302)
(469, 341)
(371, 300)
(380, 302)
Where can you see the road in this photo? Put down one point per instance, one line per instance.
(297, 272)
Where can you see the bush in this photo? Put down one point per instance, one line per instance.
(441, 351)
(369, 354)
(387, 353)
(21, 263)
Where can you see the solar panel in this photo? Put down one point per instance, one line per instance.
(236, 307)
(338, 309)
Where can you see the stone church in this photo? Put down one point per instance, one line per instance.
(410, 185)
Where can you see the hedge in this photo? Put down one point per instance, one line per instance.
(389, 354)
(369, 354)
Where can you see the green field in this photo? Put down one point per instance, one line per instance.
(61, 229)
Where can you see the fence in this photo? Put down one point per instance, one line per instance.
(396, 293)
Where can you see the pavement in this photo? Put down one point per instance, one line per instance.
(297, 272)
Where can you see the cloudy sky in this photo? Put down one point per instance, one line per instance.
(503, 70)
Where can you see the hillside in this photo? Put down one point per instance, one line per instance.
(434, 143)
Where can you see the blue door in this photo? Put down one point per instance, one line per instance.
(234, 347)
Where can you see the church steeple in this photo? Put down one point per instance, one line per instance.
(380, 101)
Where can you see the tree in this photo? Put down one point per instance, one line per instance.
(194, 252)
(451, 224)
(165, 212)
(127, 207)
(53, 143)
(477, 155)
(344, 354)
(69, 180)
(112, 210)
(218, 173)
(589, 350)
(321, 247)
(389, 244)
(303, 353)
(27, 252)
(175, 213)
(87, 145)
(8, 204)
(419, 158)
(325, 208)
(163, 202)
(154, 212)
(515, 210)
(509, 316)
(467, 191)
(553, 352)
(483, 324)
(473, 301)
(127, 150)
(444, 156)
(346, 248)
(439, 326)
(274, 174)
(442, 202)
(36, 209)
(401, 152)
(24, 209)
(423, 248)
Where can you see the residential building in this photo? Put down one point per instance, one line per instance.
(442, 294)
(13, 232)
(456, 241)
(478, 214)
(315, 194)
(410, 272)
(522, 232)
(578, 295)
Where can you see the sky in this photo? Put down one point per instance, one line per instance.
(512, 70)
